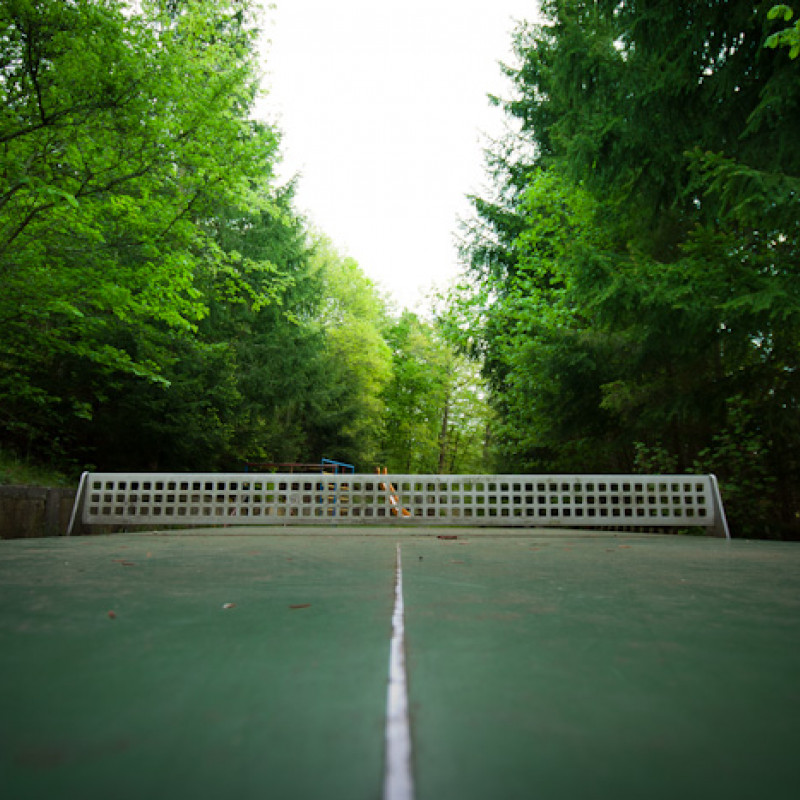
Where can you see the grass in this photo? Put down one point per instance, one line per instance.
(15, 471)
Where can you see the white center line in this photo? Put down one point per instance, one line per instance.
(398, 783)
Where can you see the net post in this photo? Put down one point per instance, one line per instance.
(720, 527)
(78, 502)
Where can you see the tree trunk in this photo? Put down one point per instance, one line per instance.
(443, 437)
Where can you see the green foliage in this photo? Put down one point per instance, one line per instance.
(120, 129)
(788, 37)
(163, 305)
(635, 271)
(357, 359)
(739, 455)
(15, 471)
(416, 396)
(437, 419)
(654, 460)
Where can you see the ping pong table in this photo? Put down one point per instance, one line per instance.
(244, 663)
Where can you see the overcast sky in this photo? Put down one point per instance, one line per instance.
(384, 109)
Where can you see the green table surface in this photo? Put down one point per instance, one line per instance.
(540, 665)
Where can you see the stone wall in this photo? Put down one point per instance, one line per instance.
(35, 511)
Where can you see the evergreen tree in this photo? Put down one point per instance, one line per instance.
(640, 254)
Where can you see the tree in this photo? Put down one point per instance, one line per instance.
(239, 387)
(120, 129)
(164, 305)
(357, 363)
(436, 415)
(416, 397)
(640, 254)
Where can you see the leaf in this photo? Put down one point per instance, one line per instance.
(780, 10)
(65, 307)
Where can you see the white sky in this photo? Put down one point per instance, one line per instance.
(384, 107)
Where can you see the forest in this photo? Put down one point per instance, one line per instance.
(630, 295)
